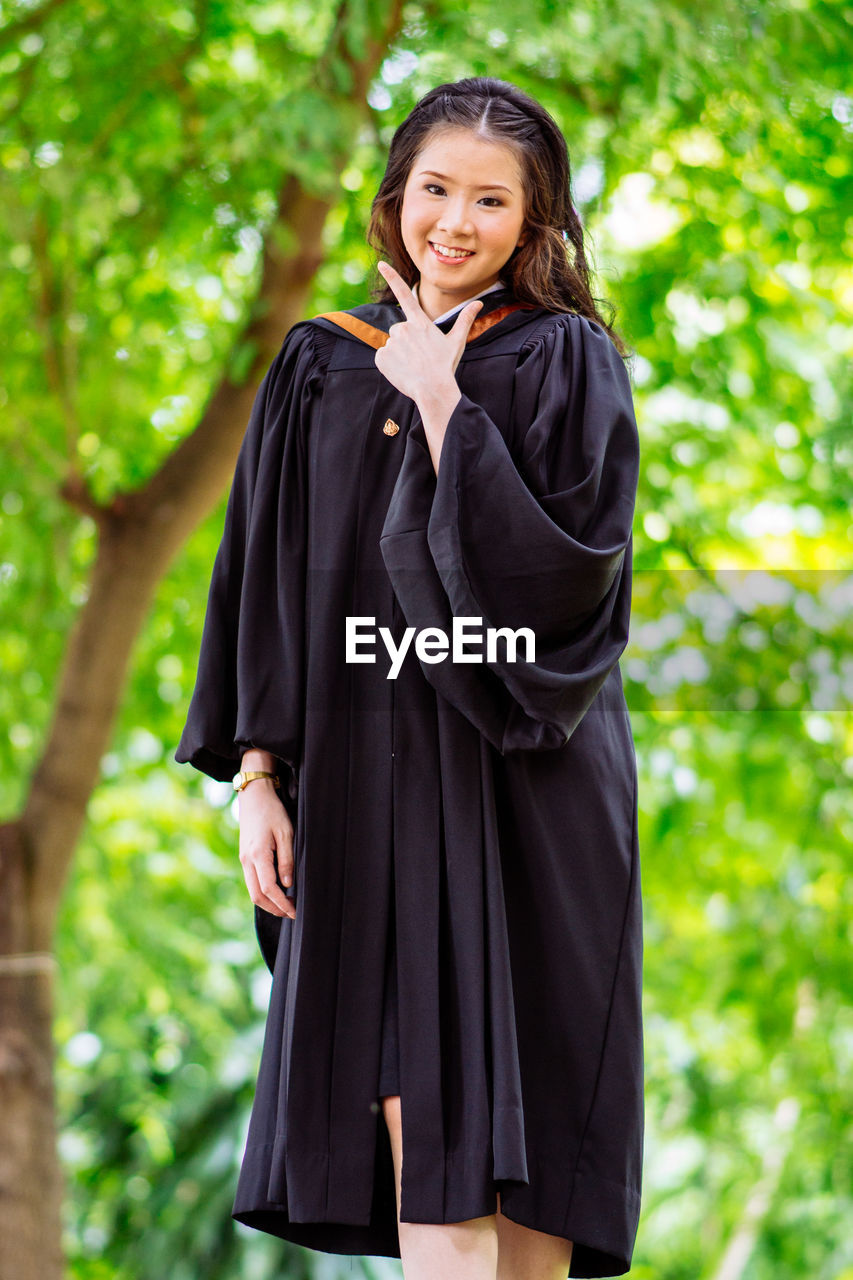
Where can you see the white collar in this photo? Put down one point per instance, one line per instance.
(499, 284)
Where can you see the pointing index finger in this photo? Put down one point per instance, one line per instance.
(402, 292)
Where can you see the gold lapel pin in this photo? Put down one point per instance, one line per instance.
(391, 428)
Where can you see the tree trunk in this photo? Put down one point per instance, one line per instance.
(139, 535)
(30, 1177)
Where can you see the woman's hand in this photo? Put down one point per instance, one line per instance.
(266, 829)
(418, 359)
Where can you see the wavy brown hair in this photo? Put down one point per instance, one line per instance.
(550, 269)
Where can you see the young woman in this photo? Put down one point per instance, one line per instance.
(410, 653)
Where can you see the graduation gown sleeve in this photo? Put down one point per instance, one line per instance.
(531, 527)
(249, 685)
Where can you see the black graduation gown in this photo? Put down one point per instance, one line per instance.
(491, 807)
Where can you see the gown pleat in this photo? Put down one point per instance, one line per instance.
(389, 1065)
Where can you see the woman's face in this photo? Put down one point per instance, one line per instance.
(462, 193)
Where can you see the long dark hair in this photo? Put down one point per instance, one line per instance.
(550, 269)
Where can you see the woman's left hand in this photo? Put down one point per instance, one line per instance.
(418, 359)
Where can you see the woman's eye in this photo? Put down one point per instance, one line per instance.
(433, 186)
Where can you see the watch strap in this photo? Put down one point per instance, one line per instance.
(245, 776)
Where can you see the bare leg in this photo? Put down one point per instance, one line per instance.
(489, 1248)
(525, 1254)
(452, 1250)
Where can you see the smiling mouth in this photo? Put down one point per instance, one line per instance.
(448, 252)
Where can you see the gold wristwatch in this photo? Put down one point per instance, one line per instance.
(244, 777)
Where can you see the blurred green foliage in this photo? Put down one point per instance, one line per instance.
(142, 150)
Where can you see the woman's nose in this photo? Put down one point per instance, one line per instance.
(455, 218)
